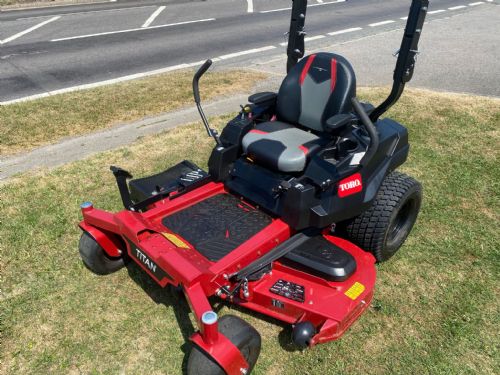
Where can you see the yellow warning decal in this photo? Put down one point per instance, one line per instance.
(175, 240)
(355, 290)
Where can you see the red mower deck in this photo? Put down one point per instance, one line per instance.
(171, 259)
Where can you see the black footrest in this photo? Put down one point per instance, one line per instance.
(179, 176)
(318, 256)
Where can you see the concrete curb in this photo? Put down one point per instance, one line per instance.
(72, 149)
(56, 3)
(49, 4)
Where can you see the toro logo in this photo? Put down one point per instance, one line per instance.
(350, 185)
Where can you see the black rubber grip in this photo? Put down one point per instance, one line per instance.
(370, 128)
(196, 79)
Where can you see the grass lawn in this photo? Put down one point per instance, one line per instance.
(30, 124)
(436, 307)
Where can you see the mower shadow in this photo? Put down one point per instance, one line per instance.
(168, 297)
(174, 298)
(285, 335)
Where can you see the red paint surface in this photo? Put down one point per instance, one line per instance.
(303, 75)
(333, 71)
(256, 131)
(326, 305)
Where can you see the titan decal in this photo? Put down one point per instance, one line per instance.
(142, 258)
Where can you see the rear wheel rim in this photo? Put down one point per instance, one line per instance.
(401, 224)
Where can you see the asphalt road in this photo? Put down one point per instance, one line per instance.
(52, 49)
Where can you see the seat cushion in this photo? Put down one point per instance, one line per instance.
(280, 146)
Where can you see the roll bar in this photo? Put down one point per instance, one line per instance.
(407, 53)
(296, 34)
(406, 56)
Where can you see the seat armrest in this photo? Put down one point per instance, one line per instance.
(337, 122)
(263, 98)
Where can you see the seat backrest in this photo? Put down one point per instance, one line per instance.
(317, 87)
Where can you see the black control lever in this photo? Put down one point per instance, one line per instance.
(196, 92)
(370, 128)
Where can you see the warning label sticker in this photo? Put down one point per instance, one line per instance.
(175, 240)
(355, 290)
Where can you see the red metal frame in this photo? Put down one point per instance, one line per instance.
(331, 306)
(209, 338)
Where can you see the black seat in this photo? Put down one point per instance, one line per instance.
(317, 88)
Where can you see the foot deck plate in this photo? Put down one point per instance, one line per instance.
(217, 225)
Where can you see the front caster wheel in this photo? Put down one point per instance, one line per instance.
(302, 334)
(95, 258)
(383, 228)
(241, 334)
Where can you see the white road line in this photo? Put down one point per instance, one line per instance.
(130, 30)
(309, 6)
(345, 31)
(88, 12)
(476, 3)
(328, 3)
(436, 11)
(155, 14)
(275, 10)
(458, 7)
(201, 62)
(135, 76)
(404, 18)
(249, 6)
(309, 39)
(381, 23)
(37, 26)
(246, 52)
(96, 84)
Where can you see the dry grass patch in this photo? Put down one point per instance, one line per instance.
(436, 306)
(24, 126)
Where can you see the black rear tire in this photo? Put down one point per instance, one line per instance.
(241, 334)
(95, 258)
(384, 227)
